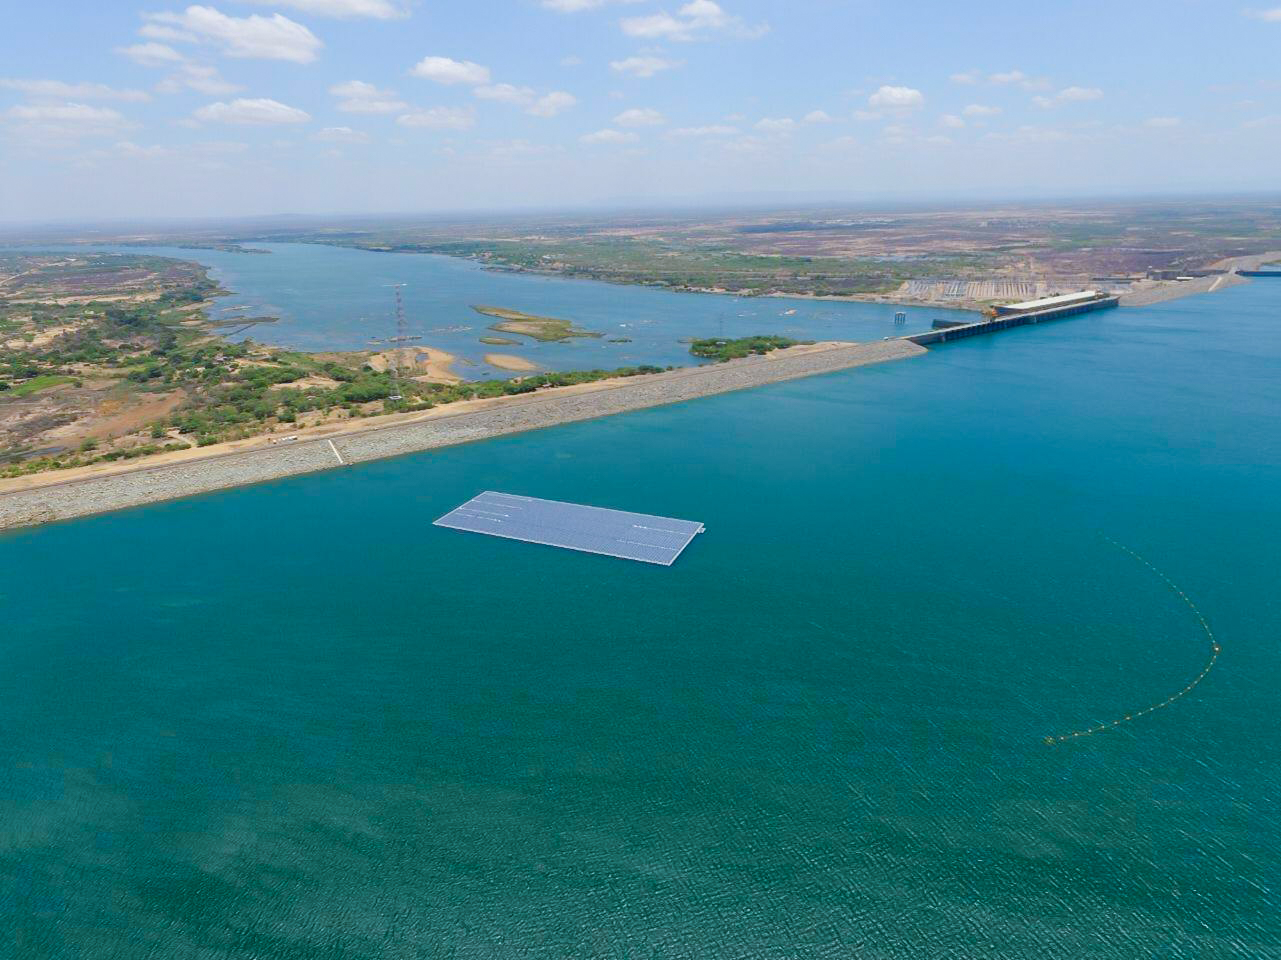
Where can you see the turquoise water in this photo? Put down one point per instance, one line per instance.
(331, 298)
(296, 720)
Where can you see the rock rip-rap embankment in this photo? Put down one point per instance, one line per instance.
(74, 498)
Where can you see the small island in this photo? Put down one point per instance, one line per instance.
(539, 328)
(721, 349)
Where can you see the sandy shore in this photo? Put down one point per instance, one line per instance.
(47, 497)
(509, 361)
(423, 363)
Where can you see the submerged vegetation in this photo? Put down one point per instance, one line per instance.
(721, 349)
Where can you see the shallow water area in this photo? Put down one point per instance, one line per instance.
(335, 298)
(297, 720)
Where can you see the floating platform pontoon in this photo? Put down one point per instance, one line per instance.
(613, 533)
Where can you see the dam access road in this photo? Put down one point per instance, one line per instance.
(43, 498)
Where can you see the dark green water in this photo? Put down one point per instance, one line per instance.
(299, 721)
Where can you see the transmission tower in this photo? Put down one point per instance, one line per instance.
(397, 342)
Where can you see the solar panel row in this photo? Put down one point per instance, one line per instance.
(614, 533)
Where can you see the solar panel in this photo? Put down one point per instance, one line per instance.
(614, 533)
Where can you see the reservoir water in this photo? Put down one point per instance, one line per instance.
(333, 298)
(298, 721)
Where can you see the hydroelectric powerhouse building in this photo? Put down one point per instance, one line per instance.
(1019, 314)
(1061, 306)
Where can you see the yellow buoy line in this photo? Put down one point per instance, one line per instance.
(1215, 649)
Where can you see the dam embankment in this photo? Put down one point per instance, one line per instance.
(46, 498)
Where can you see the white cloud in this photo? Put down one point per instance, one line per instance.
(450, 72)
(694, 19)
(549, 105)
(896, 99)
(952, 121)
(356, 96)
(124, 150)
(577, 6)
(865, 115)
(341, 135)
(643, 66)
(712, 130)
(968, 78)
(132, 151)
(1019, 78)
(894, 135)
(73, 112)
(776, 124)
(255, 112)
(980, 110)
(657, 26)
(374, 9)
(1069, 95)
(199, 77)
(818, 116)
(57, 90)
(640, 117)
(571, 61)
(609, 136)
(1163, 122)
(506, 93)
(254, 37)
(151, 54)
(1080, 94)
(748, 146)
(1271, 16)
(158, 31)
(66, 121)
(438, 118)
(1010, 76)
(135, 152)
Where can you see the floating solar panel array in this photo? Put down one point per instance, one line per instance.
(614, 533)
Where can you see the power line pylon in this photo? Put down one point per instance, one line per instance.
(402, 337)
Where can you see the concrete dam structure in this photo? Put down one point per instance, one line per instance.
(1020, 314)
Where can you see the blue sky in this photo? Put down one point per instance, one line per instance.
(241, 107)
